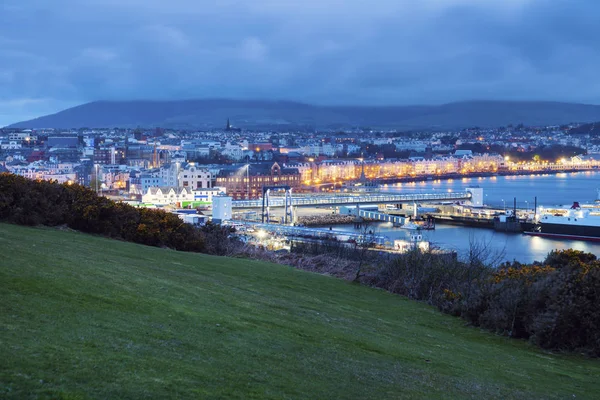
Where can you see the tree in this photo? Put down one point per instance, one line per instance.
(362, 247)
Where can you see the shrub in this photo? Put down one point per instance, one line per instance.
(28, 202)
(554, 304)
(571, 320)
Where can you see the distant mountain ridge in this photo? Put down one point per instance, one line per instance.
(213, 113)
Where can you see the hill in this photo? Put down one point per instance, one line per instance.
(87, 317)
(586, 129)
(252, 114)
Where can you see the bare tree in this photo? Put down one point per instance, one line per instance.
(363, 246)
(482, 252)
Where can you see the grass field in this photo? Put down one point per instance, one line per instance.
(86, 317)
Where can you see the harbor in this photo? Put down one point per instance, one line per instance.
(456, 230)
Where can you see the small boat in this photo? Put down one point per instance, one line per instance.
(411, 226)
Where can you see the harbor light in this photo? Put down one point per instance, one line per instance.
(261, 234)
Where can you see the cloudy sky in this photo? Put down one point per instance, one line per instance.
(60, 53)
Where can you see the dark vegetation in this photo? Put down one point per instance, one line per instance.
(586, 129)
(28, 202)
(553, 303)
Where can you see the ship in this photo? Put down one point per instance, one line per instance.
(574, 223)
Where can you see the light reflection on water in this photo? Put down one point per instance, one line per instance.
(520, 247)
(557, 189)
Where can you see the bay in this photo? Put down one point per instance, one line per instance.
(550, 189)
(499, 191)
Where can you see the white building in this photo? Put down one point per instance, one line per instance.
(221, 208)
(193, 219)
(10, 145)
(233, 151)
(22, 136)
(194, 177)
(165, 195)
(476, 196)
(62, 173)
(206, 195)
(318, 149)
(169, 174)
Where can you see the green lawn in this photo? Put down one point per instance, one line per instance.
(86, 317)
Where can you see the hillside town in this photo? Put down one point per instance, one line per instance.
(156, 166)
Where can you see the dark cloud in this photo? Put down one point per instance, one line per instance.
(60, 53)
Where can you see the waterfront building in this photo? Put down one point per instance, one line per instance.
(307, 170)
(247, 181)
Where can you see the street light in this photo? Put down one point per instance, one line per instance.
(526, 205)
(247, 166)
(248, 179)
(504, 204)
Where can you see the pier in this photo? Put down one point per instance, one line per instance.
(317, 233)
(501, 223)
(501, 220)
(345, 199)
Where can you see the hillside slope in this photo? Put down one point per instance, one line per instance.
(87, 317)
(213, 113)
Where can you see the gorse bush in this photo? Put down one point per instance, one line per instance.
(28, 202)
(554, 304)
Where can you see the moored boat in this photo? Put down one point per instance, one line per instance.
(575, 223)
(411, 226)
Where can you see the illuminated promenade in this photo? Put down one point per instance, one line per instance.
(341, 171)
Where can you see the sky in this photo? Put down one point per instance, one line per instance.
(61, 53)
